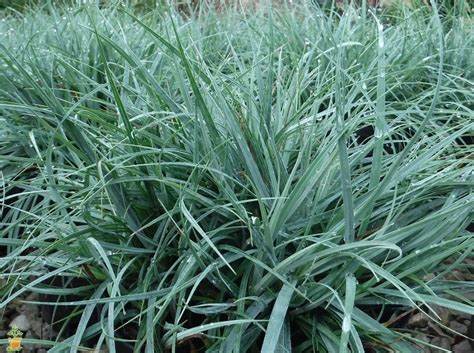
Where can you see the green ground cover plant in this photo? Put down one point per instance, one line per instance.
(283, 179)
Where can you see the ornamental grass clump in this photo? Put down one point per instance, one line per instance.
(275, 180)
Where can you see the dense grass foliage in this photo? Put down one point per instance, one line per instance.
(276, 180)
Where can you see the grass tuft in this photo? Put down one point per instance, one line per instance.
(275, 180)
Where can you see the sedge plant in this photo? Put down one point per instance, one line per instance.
(284, 179)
